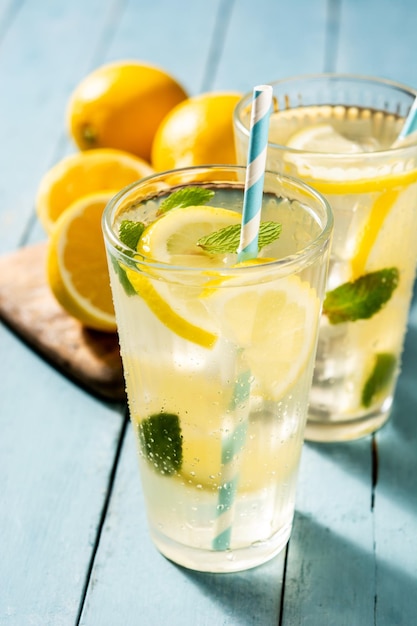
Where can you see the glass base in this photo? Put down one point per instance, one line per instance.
(321, 427)
(225, 561)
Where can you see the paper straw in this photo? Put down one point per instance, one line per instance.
(410, 124)
(233, 443)
(255, 171)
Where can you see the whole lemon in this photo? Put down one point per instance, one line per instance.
(198, 131)
(120, 105)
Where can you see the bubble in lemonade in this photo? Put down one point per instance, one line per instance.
(217, 357)
(346, 152)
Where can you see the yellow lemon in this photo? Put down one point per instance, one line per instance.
(82, 173)
(76, 263)
(196, 132)
(120, 105)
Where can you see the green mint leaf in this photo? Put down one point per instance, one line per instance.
(124, 281)
(226, 240)
(161, 442)
(187, 196)
(223, 240)
(130, 233)
(380, 378)
(362, 298)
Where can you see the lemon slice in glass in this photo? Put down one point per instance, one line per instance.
(173, 237)
(323, 138)
(174, 299)
(273, 322)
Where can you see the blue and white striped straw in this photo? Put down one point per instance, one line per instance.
(410, 124)
(234, 442)
(255, 172)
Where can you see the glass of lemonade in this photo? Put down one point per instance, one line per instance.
(218, 355)
(339, 134)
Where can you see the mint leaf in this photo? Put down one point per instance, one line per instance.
(161, 442)
(187, 196)
(124, 281)
(381, 376)
(130, 233)
(362, 298)
(227, 239)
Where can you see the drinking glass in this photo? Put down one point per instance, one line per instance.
(339, 134)
(218, 356)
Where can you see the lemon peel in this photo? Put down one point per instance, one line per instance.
(121, 105)
(166, 314)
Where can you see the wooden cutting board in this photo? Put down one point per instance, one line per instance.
(89, 357)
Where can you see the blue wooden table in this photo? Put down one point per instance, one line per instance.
(73, 542)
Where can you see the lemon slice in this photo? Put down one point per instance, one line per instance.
(323, 138)
(356, 178)
(274, 323)
(173, 239)
(77, 269)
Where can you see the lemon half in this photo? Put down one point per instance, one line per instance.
(83, 173)
(77, 268)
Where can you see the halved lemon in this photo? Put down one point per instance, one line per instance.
(76, 263)
(82, 173)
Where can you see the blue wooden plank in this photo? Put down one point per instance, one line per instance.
(57, 443)
(377, 37)
(330, 571)
(132, 583)
(396, 499)
(173, 35)
(47, 48)
(57, 446)
(271, 40)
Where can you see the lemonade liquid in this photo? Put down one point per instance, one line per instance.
(218, 401)
(345, 152)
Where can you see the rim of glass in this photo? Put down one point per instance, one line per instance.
(330, 76)
(302, 257)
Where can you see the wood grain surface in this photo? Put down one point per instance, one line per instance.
(74, 544)
(27, 305)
